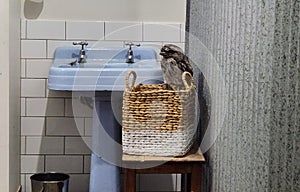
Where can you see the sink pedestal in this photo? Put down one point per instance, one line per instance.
(104, 176)
(106, 146)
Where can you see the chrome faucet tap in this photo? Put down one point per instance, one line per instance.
(130, 56)
(82, 56)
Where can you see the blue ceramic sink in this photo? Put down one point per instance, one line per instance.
(104, 70)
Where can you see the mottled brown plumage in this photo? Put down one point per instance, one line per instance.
(173, 64)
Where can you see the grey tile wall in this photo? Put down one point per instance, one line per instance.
(248, 52)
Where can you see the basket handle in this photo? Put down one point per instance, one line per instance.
(191, 80)
(128, 87)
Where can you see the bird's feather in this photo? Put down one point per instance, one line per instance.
(173, 64)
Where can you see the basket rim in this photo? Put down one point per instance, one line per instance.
(157, 90)
(185, 74)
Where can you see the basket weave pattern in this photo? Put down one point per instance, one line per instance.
(158, 120)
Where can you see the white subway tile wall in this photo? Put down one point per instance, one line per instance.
(88, 125)
(182, 33)
(57, 94)
(64, 126)
(32, 163)
(75, 108)
(66, 164)
(79, 182)
(87, 164)
(44, 145)
(37, 68)
(23, 29)
(107, 44)
(23, 180)
(77, 145)
(33, 88)
(124, 31)
(23, 107)
(161, 32)
(41, 107)
(32, 126)
(27, 186)
(55, 135)
(33, 49)
(88, 30)
(23, 145)
(23, 68)
(42, 29)
(53, 44)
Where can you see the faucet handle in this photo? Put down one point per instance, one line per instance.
(82, 43)
(130, 44)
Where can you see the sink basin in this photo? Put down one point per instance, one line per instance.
(105, 69)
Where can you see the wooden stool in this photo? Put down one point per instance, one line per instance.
(190, 163)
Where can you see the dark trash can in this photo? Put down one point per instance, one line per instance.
(49, 182)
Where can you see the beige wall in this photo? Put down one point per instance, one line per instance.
(108, 10)
(4, 95)
(9, 95)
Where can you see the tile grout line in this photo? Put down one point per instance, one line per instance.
(25, 145)
(45, 126)
(83, 164)
(180, 33)
(25, 103)
(25, 29)
(64, 148)
(46, 49)
(104, 29)
(65, 22)
(44, 163)
(46, 86)
(143, 31)
(64, 115)
(25, 60)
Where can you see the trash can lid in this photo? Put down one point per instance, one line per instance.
(50, 177)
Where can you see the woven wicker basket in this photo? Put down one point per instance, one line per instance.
(158, 120)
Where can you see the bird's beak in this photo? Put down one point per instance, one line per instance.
(162, 53)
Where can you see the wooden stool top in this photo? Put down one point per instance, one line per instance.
(190, 163)
(194, 155)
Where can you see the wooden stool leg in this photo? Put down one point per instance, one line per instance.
(196, 178)
(130, 180)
